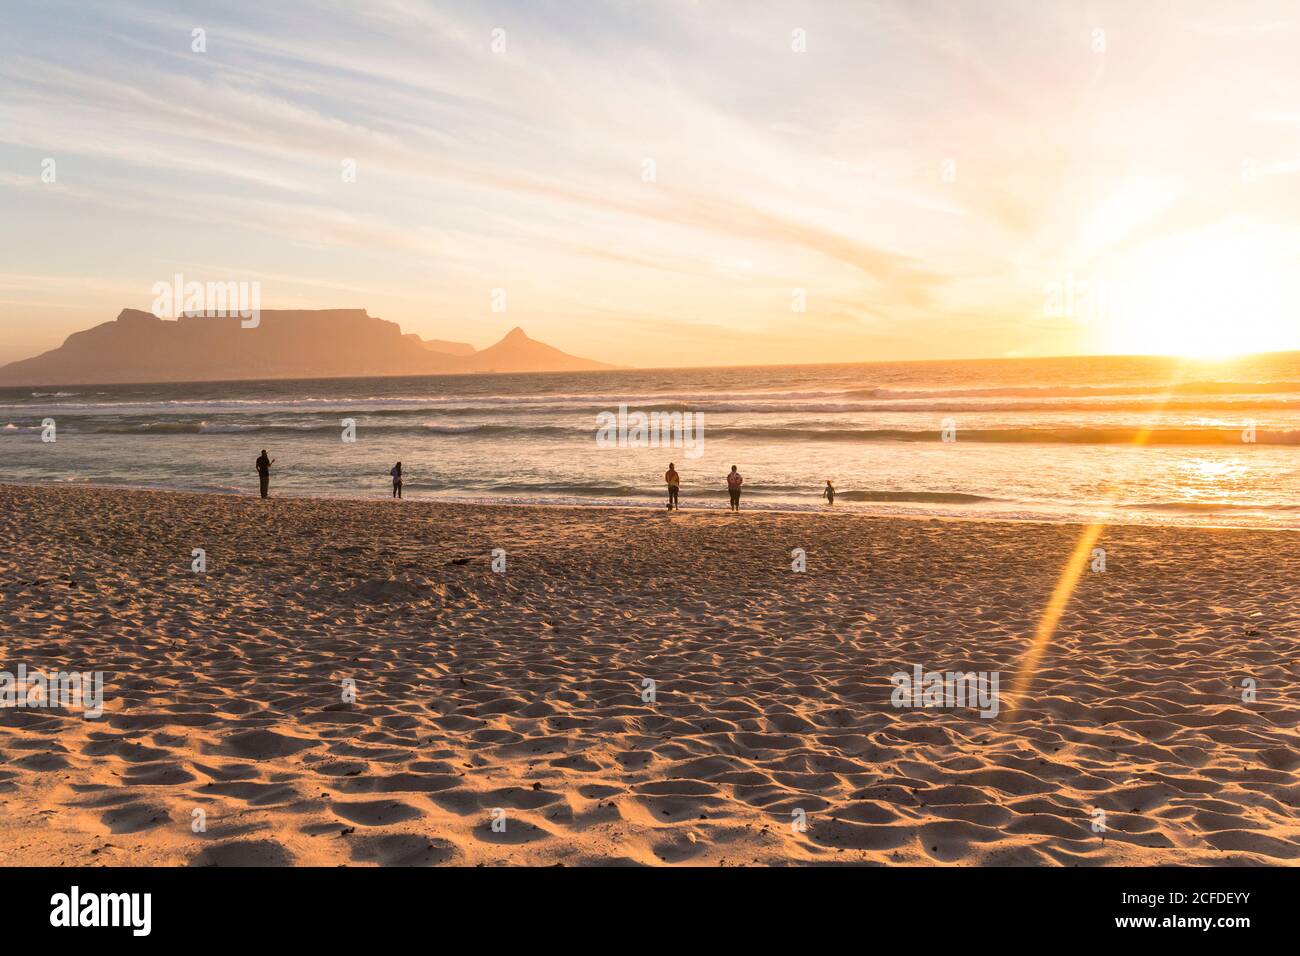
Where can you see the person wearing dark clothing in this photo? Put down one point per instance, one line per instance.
(264, 472)
(397, 480)
(829, 493)
(734, 482)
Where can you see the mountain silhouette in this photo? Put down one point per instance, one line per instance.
(326, 343)
(518, 353)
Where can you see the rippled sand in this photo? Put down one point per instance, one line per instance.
(522, 692)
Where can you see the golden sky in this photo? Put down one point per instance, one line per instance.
(669, 182)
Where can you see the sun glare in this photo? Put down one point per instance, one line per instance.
(1215, 294)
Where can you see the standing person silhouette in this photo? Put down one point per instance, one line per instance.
(734, 481)
(264, 472)
(397, 480)
(674, 481)
(829, 493)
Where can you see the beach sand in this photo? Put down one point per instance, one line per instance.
(522, 692)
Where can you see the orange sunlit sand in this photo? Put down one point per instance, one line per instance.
(525, 691)
(1076, 565)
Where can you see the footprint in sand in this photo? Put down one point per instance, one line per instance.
(135, 817)
(244, 853)
(376, 813)
(403, 849)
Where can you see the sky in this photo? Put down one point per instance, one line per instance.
(667, 182)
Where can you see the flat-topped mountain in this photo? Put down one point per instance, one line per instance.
(326, 343)
(449, 348)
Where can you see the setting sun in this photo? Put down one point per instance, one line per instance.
(1220, 292)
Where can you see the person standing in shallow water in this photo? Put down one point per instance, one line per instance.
(397, 480)
(829, 493)
(734, 481)
(264, 472)
(674, 481)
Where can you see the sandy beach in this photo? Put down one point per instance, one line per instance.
(519, 697)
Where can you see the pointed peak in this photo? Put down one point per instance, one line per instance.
(515, 335)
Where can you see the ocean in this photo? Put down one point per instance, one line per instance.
(1121, 439)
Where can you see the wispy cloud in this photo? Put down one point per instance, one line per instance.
(682, 165)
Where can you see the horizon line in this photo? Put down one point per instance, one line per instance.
(1186, 360)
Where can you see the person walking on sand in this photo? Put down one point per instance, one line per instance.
(397, 480)
(264, 472)
(674, 481)
(829, 493)
(734, 481)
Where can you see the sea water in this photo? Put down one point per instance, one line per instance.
(1127, 439)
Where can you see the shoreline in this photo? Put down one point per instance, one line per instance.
(849, 509)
